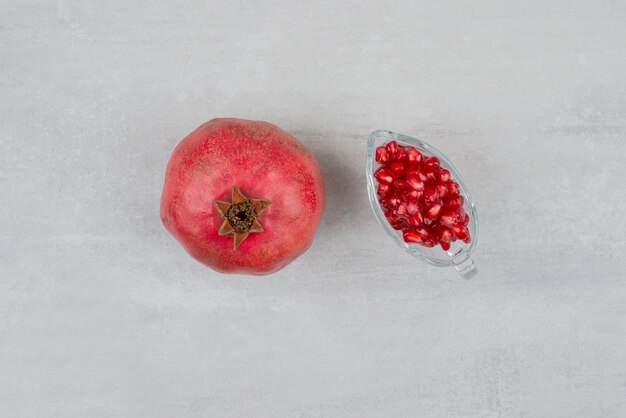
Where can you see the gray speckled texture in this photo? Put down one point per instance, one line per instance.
(103, 314)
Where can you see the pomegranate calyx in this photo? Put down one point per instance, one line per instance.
(240, 216)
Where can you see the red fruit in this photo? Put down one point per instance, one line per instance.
(394, 201)
(444, 175)
(242, 196)
(442, 189)
(384, 175)
(412, 237)
(383, 189)
(454, 202)
(431, 162)
(444, 245)
(414, 182)
(396, 224)
(449, 218)
(400, 154)
(453, 188)
(413, 207)
(415, 219)
(392, 148)
(428, 237)
(431, 195)
(401, 210)
(398, 185)
(413, 156)
(431, 173)
(413, 194)
(461, 232)
(397, 167)
(445, 234)
(412, 172)
(433, 211)
(466, 218)
(382, 156)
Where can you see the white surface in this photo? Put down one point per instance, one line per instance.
(102, 313)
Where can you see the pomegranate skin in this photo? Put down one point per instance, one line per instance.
(263, 161)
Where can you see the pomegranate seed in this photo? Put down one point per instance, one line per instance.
(430, 173)
(444, 245)
(429, 243)
(413, 156)
(413, 207)
(454, 202)
(401, 210)
(431, 162)
(461, 232)
(445, 234)
(400, 154)
(397, 168)
(433, 211)
(412, 237)
(413, 194)
(453, 187)
(466, 219)
(382, 156)
(444, 175)
(422, 175)
(396, 224)
(412, 172)
(392, 147)
(431, 195)
(449, 218)
(414, 182)
(415, 219)
(383, 189)
(394, 201)
(398, 185)
(442, 190)
(383, 175)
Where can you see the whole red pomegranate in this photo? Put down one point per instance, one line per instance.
(242, 196)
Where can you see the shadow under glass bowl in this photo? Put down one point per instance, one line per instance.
(459, 254)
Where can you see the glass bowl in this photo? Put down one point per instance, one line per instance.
(459, 255)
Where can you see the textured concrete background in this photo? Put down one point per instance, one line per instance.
(102, 313)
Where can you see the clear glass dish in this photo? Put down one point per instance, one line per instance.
(460, 253)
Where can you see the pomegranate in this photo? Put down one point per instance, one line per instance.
(242, 196)
(419, 198)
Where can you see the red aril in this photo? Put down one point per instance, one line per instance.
(397, 168)
(415, 219)
(413, 156)
(392, 148)
(413, 194)
(431, 195)
(433, 211)
(383, 189)
(382, 156)
(400, 154)
(412, 237)
(398, 185)
(413, 207)
(442, 189)
(414, 182)
(384, 175)
(449, 218)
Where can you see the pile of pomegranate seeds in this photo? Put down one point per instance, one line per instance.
(419, 198)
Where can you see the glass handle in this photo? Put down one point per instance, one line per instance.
(467, 269)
